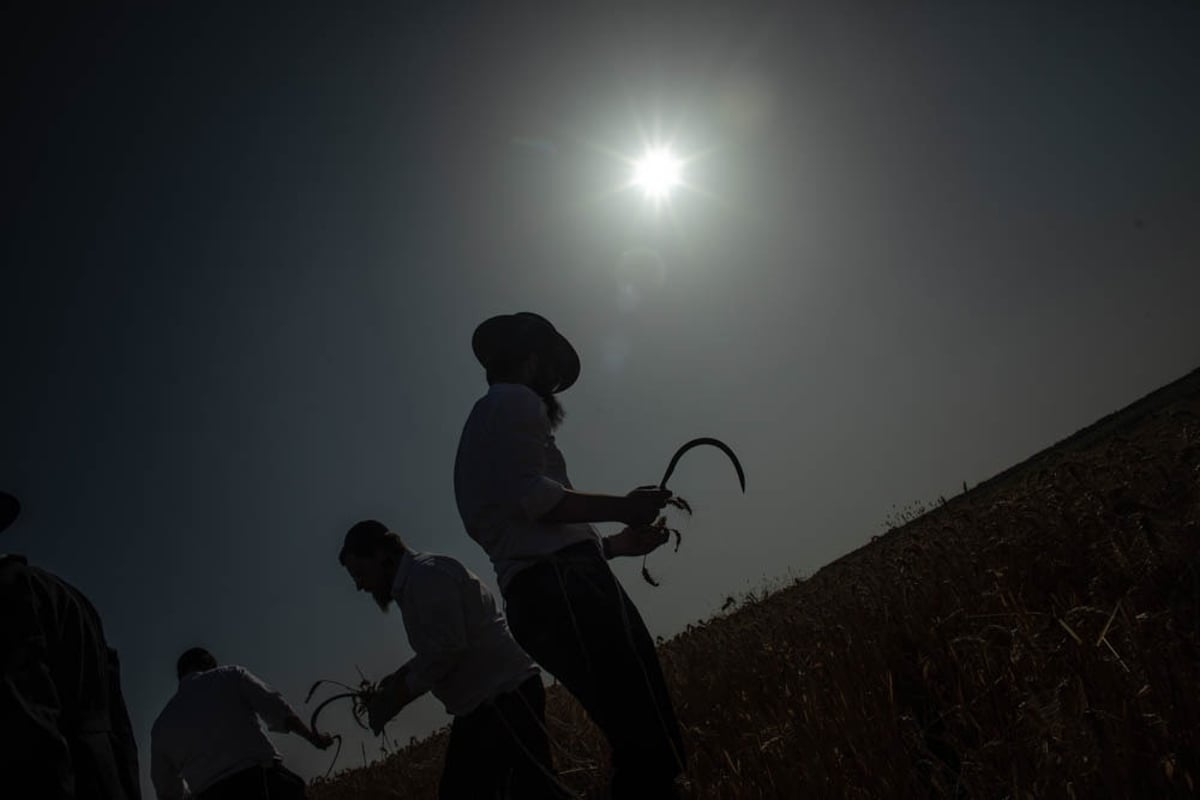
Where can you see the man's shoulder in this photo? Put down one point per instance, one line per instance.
(217, 676)
(501, 390)
(13, 565)
(434, 570)
(438, 564)
(199, 690)
(15, 570)
(514, 396)
(441, 575)
(232, 673)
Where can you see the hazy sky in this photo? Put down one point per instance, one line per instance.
(244, 253)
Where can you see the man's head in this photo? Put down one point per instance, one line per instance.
(525, 348)
(196, 659)
(371, 554)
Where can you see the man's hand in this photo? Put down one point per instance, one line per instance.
(643, 504)
(636, 541)
(317, 740)
(321, 741)
(391, 696)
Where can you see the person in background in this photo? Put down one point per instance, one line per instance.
(564, 605)
(208, 742)
(64, 728)
(466, 657)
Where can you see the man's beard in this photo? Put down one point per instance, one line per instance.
(383, 599)
(554, 409)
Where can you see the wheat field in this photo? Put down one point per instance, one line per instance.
(1037, 636)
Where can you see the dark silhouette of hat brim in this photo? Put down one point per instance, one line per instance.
(10, 509)
(501, 338)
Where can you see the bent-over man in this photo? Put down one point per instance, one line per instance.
(208, 742)
(466, 657)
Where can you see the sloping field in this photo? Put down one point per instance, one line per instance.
(1038, 636)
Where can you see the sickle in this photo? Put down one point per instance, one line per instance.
(354, 695)
(717, 443)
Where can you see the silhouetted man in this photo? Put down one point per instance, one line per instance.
(64, 730)
(465, 655)
(564, 605)
(210, 736)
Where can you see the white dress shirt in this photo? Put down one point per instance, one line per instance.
(465, 654)
(507, 474)
(211, 729)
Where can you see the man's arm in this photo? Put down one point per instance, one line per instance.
(520, 430)
(639, 507)
(168, 784)
(515, 450)
(436, 627)
(274, 710)
(437, 632)
(391, 696)
(293, 724)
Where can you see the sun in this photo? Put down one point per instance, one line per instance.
(657, 172)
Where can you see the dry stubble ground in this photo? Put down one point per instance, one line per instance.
(1035, 637)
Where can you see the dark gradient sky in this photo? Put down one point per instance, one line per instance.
(244, 252)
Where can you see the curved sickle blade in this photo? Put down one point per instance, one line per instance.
(312, 721)
(717, 443)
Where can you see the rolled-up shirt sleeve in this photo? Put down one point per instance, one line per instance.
(520, 430)
(437, 630)
(266, 702)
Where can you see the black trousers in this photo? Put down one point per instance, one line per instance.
(274, 782)
(500, 750)
(571, 615)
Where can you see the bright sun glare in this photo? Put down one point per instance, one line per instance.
(657, 172)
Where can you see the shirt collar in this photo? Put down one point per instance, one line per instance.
(402, 571)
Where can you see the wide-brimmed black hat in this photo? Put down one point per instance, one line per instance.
(499, 341)
(10, 507)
